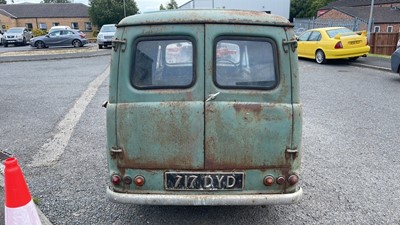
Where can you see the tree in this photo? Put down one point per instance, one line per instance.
(110, 11)
(55, 1)
(162, 7)
(172, 4)
(306, 8)
(3, 1)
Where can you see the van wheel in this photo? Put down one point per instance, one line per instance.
(100, 46)
(6, 45)
(77, 43)
(320, 57)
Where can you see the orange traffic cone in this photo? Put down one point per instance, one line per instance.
(19, 206)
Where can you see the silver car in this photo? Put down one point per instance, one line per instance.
(16, 36)
(106, 34)
(395, 61)
(73, 38)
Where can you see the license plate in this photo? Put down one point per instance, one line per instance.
(354, 42)
(188, 181)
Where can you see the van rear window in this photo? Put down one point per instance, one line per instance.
(163, 64)
(246, 64)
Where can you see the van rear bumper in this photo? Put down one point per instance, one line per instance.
(200, 199)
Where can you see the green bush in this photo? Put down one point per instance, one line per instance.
(38, 32)
(95, 32)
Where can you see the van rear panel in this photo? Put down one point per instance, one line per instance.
(204, 111)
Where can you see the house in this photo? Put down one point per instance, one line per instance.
(44, 16)
(281, 7)
(386, 13)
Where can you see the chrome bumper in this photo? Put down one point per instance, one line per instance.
(181, 199)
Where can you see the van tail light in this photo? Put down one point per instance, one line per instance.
(115, 179)
(338, 45)
(139, 180)
(293, 179)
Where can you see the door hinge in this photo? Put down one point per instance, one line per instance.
(292, 151)
(291, 42)
(116, 42)
(115, 150)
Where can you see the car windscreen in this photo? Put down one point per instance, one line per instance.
(108, 29)
(15, 31)
(343, 31)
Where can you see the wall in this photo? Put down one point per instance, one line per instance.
(6, 21)
(281, 7)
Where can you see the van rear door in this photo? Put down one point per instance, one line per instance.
(248, 107)
(160, 117)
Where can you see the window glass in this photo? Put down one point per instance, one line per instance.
(43, 26)
(315, 36)
(74, 25)
(377, 29)
(29, 26)
(163, 64)
(343, 31)
(304, 36)
(55, 33)
(390, 29)
(88, 26)
(248, 64)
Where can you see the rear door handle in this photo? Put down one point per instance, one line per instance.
(212, 96)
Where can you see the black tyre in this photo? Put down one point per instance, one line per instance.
(77, 43)
(6, 45)
(100, 46)
(40, 44)
(320, 57)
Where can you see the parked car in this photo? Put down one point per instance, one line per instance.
(1, 37)
(54, 28)
(60, 38)
(16, 36)
(395, 61)
(106, 34)
(322, 44)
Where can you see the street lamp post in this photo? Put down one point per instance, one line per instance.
(124, 9)
(370, 20)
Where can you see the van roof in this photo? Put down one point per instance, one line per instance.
(205, 16)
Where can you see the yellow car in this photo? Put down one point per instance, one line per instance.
(332, 43)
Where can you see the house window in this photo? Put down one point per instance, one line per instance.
(56, 24)
(43, 26)
(74, 25)
(29, 26)
(390, 29)
(377, 29)
(88, 26)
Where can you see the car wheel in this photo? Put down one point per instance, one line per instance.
(76, 43)
(352, 59)
(6, 45)
(100, 46)
(24, 42)
(320, 57)
(40, 44)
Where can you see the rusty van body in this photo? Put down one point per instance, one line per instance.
(204, 109)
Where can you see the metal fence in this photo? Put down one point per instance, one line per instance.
(303, 24)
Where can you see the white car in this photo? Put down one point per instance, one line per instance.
(16, 36)
(106, 34)
(1, 38)
(54, 28)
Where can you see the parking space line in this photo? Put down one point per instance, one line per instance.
(52, 150)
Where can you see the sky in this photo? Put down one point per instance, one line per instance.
(144, 5)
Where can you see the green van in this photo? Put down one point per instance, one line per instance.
(204, 109)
